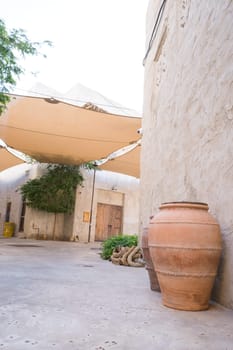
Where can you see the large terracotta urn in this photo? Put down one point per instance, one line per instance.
(154, 284)
(185, 247)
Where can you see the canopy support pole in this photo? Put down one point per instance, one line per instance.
(92, 202)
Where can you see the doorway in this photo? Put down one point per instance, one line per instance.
(108, 221)
(22, 217)
(8, 212)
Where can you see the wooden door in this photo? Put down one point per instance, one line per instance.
(108, 221)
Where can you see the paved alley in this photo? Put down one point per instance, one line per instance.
(63, 296)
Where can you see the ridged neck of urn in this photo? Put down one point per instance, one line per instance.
(185, 204)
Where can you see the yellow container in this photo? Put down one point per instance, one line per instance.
(8, 230)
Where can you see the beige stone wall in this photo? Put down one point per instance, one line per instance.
(187, 148)
(110, 188)
(49, 226)
(10, 181)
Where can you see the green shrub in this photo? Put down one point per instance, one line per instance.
(54, 191)
(116, 241)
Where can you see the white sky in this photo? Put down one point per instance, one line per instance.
(97, 43)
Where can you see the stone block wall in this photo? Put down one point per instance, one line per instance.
(187, 146)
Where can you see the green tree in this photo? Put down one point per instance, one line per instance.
(14, 45)
(54, 192)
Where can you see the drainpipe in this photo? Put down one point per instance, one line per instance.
(92, 202)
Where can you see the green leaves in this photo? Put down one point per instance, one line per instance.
(117, 241)
(54, 192)
(14, 44)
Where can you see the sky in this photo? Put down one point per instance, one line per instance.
(97, 43)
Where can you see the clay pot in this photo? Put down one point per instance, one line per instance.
(185, 247)
(154, 284)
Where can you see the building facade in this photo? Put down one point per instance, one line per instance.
(107, 204)
(187, 149)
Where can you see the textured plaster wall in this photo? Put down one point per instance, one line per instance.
(42, 225)
(10, 180)
(38, 225)
(187, 147)
(109, 188)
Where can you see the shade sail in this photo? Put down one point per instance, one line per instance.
(7, 159)
(128, 163)
(56, 132)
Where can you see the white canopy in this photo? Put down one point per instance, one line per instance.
(8, 159)
(52, 131)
